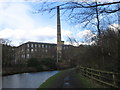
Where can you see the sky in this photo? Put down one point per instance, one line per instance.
(19, 23)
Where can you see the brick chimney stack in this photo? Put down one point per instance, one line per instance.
(59, 44)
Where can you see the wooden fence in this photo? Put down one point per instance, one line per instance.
(110, 79)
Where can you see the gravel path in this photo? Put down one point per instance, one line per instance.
(67, 80)
(70, 81)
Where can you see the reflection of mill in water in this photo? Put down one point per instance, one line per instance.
(59, 42)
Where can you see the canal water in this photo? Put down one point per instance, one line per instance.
(26, 80)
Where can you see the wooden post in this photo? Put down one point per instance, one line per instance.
(85, 72)
(91, 72)
(113, 75)
(99, 76)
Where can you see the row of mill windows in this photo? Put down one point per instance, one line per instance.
(38, 45)
(43, 46)
(27, 56)
(32, 50)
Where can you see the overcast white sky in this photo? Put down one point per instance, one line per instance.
(19, 24)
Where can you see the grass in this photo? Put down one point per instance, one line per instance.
(52, 81)
(86, 82)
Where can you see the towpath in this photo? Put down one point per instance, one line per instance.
(67, 79)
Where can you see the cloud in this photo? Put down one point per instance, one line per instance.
(85, 34)
(44, 34)
(18, 25)
(82, 37)
(16, 15)
(115, 27)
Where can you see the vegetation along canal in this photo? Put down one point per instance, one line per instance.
(26, 80)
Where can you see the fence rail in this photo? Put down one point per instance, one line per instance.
(108, 78)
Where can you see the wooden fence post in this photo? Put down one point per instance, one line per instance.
(102, 76)
(99, 76)
(113, 75)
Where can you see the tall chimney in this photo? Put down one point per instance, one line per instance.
(58, 26)
(59, 45)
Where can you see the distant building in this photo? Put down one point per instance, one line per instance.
(36, 50)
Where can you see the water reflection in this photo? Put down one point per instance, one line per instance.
(26, 80)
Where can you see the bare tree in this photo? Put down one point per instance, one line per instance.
(5, 41)
(8, 52)
(92, 14)
(97, 14)
(83, 12)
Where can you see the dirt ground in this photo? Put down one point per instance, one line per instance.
(70, 81)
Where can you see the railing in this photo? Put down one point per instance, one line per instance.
(110, 79)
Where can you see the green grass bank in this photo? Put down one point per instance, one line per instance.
(86, 82)
(56, 81)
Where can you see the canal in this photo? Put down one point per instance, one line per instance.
(26, 80)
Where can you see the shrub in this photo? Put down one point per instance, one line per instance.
(49, 62)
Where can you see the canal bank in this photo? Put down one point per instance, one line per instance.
(20, 70)
(56, 81)
(69, 79)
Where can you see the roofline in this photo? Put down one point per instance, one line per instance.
(41, 43)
